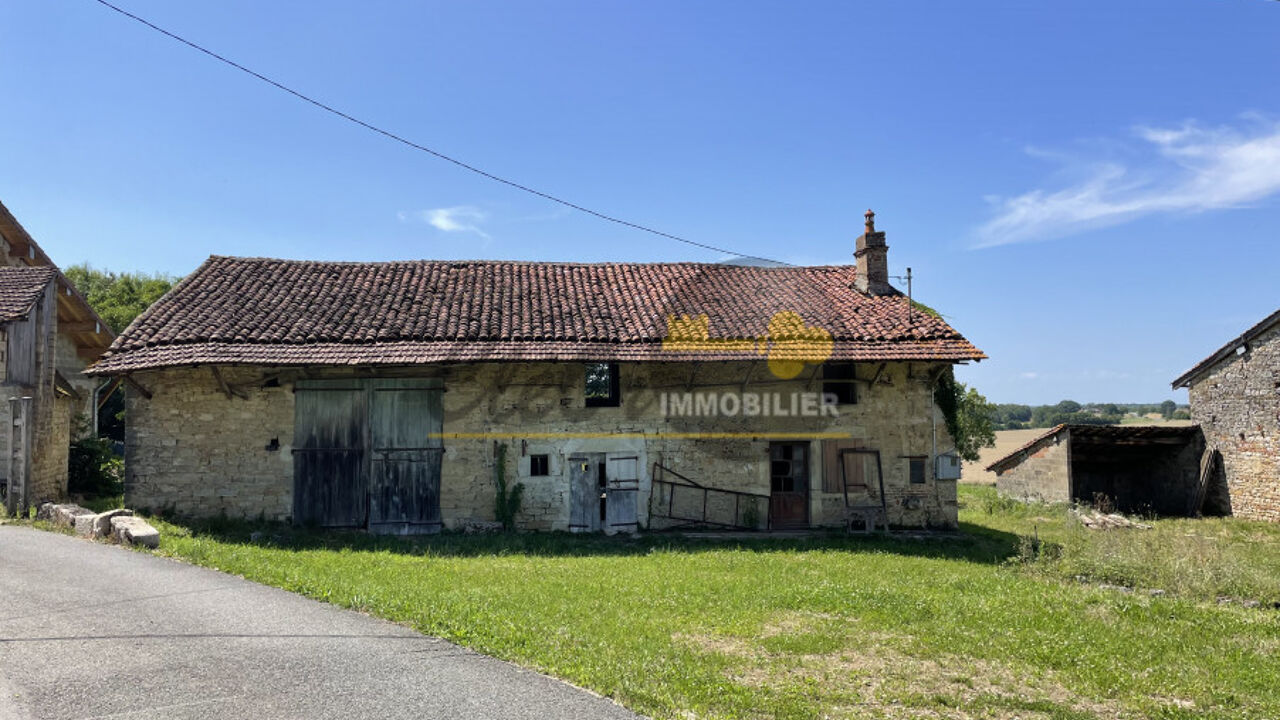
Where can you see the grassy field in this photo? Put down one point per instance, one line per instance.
(1012, 619)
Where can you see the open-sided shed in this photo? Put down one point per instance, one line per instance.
(1133, 468)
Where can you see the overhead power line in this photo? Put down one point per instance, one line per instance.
(424, 148)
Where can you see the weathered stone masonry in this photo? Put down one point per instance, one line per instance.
(194, 449)
(1237, 404)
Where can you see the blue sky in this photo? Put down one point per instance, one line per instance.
(1087, 190)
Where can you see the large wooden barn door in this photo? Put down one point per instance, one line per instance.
(367, 453)
(404, 483)
(329, 478)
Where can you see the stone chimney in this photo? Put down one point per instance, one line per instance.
(872, 261)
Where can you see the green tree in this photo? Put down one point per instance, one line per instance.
(1168, 408)
(969, 416)
(118, 297)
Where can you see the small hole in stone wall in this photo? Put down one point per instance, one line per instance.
(1241, 436)
(274, 445)
(271, 383)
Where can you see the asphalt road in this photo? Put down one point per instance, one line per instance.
(96, 631)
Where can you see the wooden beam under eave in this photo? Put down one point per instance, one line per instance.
(80, 326)
(105, 393)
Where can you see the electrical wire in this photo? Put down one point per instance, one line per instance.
(423, 148)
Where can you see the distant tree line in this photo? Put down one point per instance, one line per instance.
(1018, 417)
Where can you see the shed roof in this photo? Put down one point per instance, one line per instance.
(20, 287)
(287, 312)
(1115, 433)
(76, 318)
(1227, 350)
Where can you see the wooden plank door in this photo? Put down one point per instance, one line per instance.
(405, 422)
(789, 485)
(329, 483)
(585, 488)
(622, 490)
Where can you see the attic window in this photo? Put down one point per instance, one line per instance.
(602, 385)
(838, 379)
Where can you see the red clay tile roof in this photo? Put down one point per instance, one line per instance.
(19, 289)
(284, 312)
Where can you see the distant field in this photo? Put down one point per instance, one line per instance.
(1009, 440)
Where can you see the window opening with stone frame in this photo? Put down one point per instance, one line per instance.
(539, 465)
(916, 469)
(840, 379)
(602, 385)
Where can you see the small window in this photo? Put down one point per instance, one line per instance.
(839, 379)
(539, 465)
(602, 385)
(917, 470)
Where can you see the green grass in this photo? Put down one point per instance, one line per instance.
(982, 626)
(1205, 558)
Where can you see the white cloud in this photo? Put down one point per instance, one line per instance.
(1029, 375)
(460, 219)
(1186, 169)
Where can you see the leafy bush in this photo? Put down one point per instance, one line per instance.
(970, 418)
(93, 469)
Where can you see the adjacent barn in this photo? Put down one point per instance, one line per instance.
(1235, 398)
(1131, 468)
(398, 396)
(48, 334)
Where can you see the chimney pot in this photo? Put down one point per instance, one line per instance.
(872, 258)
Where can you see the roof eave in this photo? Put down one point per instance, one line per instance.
(1226, 351)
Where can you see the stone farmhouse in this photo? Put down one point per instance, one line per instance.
(1235, 398)
(48, 334)
(388, 396)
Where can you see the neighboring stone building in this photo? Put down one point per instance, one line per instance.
(1235, 397)
(382, 395)
(1134, 468)
(48, 333)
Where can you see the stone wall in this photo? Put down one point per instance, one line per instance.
(192, 448)
(1237, 404)
(1044, 475)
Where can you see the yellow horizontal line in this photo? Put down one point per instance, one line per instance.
(654, 436)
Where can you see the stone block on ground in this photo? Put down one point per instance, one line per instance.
(46, 511)
(100, 524)
(130, 530)
(65, 515)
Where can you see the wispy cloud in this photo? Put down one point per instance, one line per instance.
(460, 219)
(1183, 169)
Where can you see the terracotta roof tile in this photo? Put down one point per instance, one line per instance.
(282, 312)
(19, 289)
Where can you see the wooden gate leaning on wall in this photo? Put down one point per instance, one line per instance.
(367, 454)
